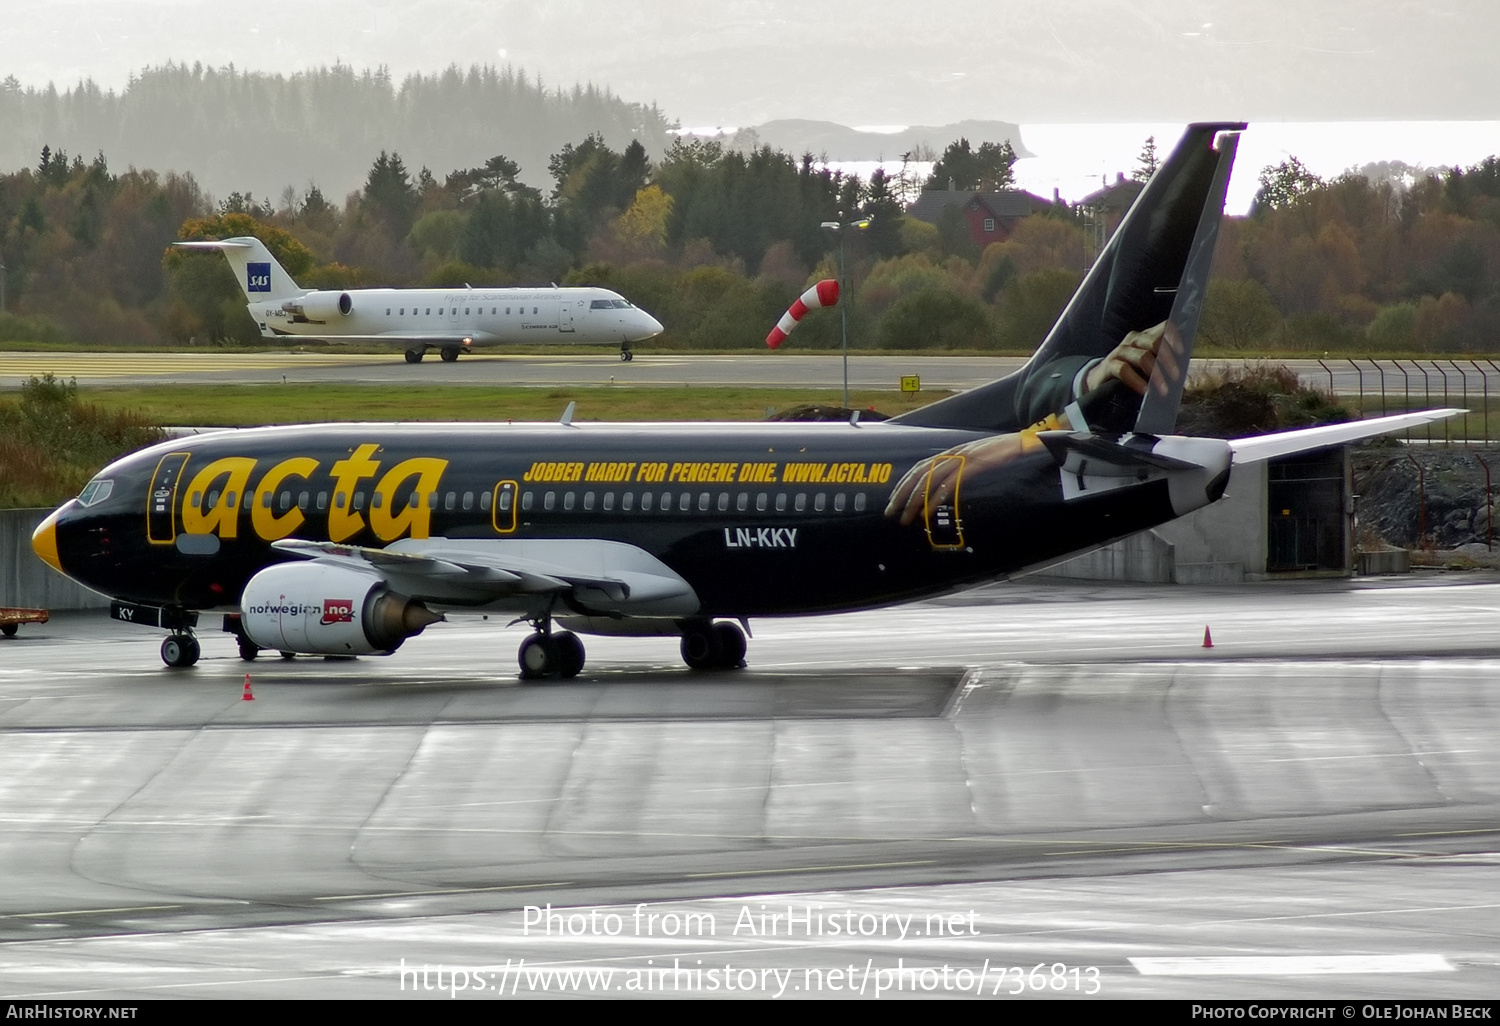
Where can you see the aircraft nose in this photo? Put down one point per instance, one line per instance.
(650, 325)
(44, 541)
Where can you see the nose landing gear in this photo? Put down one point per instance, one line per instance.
(180, 650)
(625, 354)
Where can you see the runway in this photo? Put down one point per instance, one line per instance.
(592, 366)
(1046, 786)
(1424, 384)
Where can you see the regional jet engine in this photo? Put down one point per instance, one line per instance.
(317, 609)
(319, 307)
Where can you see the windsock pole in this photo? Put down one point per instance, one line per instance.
(824, 293)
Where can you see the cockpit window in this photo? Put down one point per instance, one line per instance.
(95, 491)
(621, 304)
(600, 304)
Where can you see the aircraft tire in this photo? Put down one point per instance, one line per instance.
(570, 654)
(539, 657)
(626, 356)
(414, 355)
(248, 650)
(732, 645)
(8, 629)
(289, 655)
(701, 647)
(449, 353)
(180, 650)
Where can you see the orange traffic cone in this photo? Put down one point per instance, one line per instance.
(247, 696)
(1208, 642)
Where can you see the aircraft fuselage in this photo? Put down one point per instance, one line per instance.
(760, 520)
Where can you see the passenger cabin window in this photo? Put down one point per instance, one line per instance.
(322, 501)
(801, 502)
(413, 500)
(859, 502)
(526, 501)
(588, 500)
(820, 502)
(742, 501)
(703, 501)
(568, 501)
(449, 500)
(760, 502)
(645, 502)
(839, 502)
(377, 500)
(549, 501)
(359, 500)
(468, 500)
(484, 501)
(627, 500)
(781, 502)
(609, 501)
(303, 500)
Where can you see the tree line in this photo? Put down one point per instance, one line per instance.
(717, 241)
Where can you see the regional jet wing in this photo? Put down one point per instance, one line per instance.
(599, 576)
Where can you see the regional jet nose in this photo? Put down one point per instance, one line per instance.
(44, 541)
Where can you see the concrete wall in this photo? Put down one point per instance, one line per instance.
(24, 579)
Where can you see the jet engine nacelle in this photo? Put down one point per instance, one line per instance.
(317, 609)
(320, 307)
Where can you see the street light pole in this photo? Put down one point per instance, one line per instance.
(842, 228)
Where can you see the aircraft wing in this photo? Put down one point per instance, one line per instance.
(598, 576)
(398, 338)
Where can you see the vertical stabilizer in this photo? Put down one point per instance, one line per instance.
(260, 276)
(1154, 255)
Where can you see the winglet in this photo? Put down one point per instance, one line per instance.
(567, 418)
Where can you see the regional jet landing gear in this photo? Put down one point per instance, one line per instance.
(415, 355)
(625, 354)
(713, 646)
(450, 353)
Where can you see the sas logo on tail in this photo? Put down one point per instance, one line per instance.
(259, 277)
(337, 611)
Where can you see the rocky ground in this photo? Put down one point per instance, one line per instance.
(1430, 499)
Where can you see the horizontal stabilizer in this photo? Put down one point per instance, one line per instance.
(1287, 443)
(220, 244)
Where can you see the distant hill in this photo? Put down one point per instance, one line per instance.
(250, 131)
(821, 138)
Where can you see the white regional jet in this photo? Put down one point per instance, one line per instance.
(448, 320)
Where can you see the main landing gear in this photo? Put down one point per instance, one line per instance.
(714, 646)
(626, 355)
(549, 653)
(450, 353)
(415, 355)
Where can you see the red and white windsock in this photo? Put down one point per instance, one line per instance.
(824, 293)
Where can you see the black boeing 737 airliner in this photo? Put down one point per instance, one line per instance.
(349, 538)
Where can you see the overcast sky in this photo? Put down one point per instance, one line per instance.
(875, 62)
